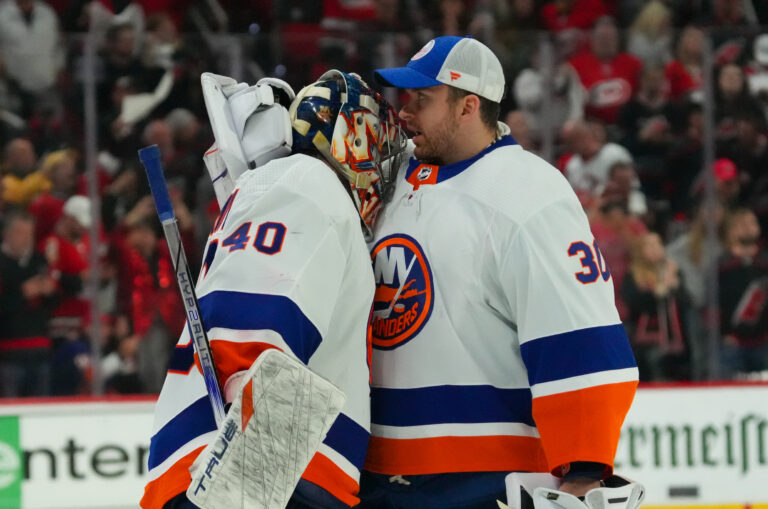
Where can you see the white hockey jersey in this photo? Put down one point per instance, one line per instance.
(286, 267)
(497, 345)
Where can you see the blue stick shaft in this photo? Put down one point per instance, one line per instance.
(150, 158)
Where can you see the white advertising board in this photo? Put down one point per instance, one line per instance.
(74, 455)
(698, 445)
(693, 446)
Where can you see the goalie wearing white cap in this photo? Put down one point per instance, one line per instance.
(497, 344)
(286, 268)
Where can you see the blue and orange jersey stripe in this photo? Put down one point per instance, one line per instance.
(581, 386)
(172, 482)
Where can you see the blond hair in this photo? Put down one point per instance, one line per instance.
(644, 272)
(54, 159)
(651, 19)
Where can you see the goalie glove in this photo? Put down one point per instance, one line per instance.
(250, 125)
(616, 493)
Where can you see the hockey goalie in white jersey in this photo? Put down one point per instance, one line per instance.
(286, 267)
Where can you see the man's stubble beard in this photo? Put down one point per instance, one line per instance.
(439, 143)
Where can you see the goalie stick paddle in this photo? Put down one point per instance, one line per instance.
(150, 158)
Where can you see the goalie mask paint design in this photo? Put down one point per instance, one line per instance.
(357, 132)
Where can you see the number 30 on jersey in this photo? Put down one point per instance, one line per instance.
(593, 266)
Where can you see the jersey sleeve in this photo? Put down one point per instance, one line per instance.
(580, 366)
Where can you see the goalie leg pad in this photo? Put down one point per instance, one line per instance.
(272, 430)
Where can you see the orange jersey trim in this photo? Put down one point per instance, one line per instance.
(232, 357)
(418, 456)
(326, 474)
(582, 425)
(158, 492)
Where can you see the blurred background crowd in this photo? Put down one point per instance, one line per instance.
(655, 111)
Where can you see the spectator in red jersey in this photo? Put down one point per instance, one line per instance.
(684, 73)
(743, 295)
(568, 14)
(147, 292)
(27, 296)
(66, 250)
(47, 207)
(609, 76)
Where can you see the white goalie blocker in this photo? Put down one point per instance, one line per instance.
(275, 425)
(250, 125)
(540, 491)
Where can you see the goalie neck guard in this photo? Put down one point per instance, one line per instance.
(356, 131)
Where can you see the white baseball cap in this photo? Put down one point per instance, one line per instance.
(460, 62)
(79, 207)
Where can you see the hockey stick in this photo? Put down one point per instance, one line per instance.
(150, 158)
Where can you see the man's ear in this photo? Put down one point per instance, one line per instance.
(470, 106)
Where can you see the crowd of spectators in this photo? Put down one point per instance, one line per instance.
(612, 92)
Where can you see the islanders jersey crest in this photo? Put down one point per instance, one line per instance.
(404, 291)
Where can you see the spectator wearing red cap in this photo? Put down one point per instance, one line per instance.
(727, 185)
